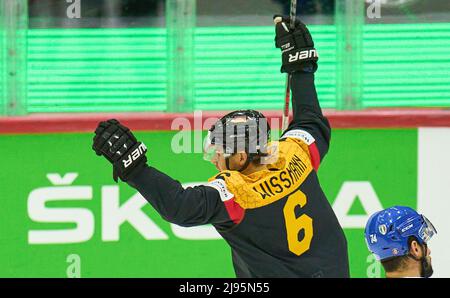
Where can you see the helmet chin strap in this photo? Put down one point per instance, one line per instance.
(247, 162)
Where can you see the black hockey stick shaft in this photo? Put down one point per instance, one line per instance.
(287, 94)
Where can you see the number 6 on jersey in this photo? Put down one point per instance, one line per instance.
(295, 224)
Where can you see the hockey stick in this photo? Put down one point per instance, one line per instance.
(287, 93)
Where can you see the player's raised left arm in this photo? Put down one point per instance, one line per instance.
(299, 58)
(183, 206)
(189, 206)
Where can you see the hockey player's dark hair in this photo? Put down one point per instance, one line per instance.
(398, 263)
(395, 264)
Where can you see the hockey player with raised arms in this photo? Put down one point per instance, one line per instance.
(269, 207)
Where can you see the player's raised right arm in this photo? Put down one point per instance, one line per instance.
(299, 58)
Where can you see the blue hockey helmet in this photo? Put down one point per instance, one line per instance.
(387, 231)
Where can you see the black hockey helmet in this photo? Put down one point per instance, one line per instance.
(239, 131)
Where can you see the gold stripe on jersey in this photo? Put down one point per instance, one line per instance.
(278, 180)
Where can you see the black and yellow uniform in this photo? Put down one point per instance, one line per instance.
(277, 221)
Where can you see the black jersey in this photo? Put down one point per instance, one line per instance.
(283, 223)
(277, 221)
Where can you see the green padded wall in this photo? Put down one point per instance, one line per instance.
(239, 67)
(2, 63)
(94, 70)
(2, 68)
(406, 65)
(80, 70)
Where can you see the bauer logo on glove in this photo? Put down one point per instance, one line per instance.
(120, 147)
(141, 149)
(302, 55)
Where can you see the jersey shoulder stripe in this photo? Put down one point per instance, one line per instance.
(234, 210)
(221, 187)
(299, 134)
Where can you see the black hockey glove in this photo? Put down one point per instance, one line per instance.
(297, 46)
(116, 142)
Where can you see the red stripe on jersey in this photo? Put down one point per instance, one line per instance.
(235, 211)
(315, 156)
